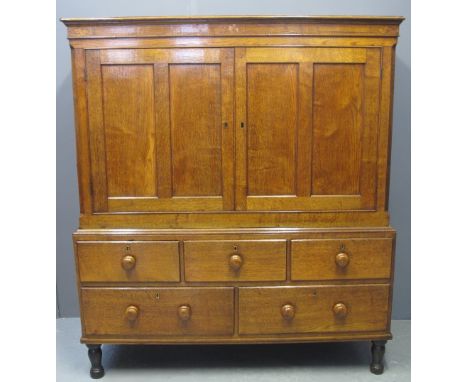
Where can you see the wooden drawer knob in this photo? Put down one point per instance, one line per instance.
(340, 310)
(342, 260)
(131, 313)
(288, 311)
(235, 262)
(128, 262)
(185, 312)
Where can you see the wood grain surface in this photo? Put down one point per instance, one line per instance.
(210, 260)
(260, 309)
(104, 311)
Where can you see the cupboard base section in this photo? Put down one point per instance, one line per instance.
(229, 286)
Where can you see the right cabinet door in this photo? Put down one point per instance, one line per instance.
(307, 128)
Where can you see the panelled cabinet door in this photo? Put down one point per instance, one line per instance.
(307, 128)
(161, 129)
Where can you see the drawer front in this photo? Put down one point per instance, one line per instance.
(128, 261)
(242, 260)
(341, 259)
(275, 310)
(157, 311)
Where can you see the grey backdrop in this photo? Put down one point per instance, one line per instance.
(67, 191)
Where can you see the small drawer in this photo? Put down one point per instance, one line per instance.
(241, 260)
(317, 309)
(128, 261)
(157, 311)
(341, 259)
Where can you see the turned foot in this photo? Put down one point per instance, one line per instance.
(95, 356)
(378, 350)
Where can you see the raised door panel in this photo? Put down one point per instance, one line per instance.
(129, 129)
(161, 134)
(195, 102)
(336, 136)
(271, 134)
(307, 128)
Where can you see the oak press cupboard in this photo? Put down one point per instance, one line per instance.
(233, 176)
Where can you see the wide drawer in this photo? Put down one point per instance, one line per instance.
(241, 260)
(341, 259)
(347, 308)
(128, 261)
(157, 311)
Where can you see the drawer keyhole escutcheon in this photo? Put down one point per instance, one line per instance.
(288, 311)
(235, 262)
(340, 310)
(184, 312)
(131, 313)
(128, 262)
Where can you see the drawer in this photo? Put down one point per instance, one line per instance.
(347, 308)
(241, 260)
(341, 259)
(157, 311)
(128, 261)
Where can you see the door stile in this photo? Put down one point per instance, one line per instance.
(96, 131)
(304, 131)
(163, 130)
(227, 128)
(241, 130)
(372, 82)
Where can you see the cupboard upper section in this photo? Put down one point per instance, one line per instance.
(234, 113)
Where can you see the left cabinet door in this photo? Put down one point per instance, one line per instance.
(160, 129)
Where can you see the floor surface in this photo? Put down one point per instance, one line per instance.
(324, 362)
